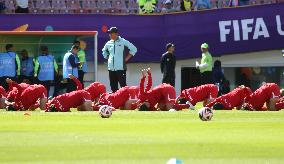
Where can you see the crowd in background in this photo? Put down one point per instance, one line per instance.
(120, 6)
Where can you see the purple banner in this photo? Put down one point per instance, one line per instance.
(227, 31)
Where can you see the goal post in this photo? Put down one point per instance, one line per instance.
(58, 42)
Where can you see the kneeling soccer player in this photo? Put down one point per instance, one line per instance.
(11, 94)
(160, 97)
(95, 89)
(189, 97)
(233, 99)
(268, 93)
(27, 98)
(79, 99)
(125, 98)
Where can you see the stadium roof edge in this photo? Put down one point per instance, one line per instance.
(49, 33)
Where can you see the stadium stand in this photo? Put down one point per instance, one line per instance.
(105, 6)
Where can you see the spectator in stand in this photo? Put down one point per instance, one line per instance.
(22, 6)
(147, 6)
(168, 7)
(185, 5)
(202, 4)
(2, 7)
(243, 2)
(233, 3)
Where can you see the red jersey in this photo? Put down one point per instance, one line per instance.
(200, 93)
(163, 93)
(95, 89)
(13, 91)
(64, 102)
(27, 97)
(262, 95)
(133, 92)
(232, 99)
(2, 92)
(116, 99)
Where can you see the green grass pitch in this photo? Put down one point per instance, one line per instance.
(142, 137)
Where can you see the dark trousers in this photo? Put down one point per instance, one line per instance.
(57, 86)
(206, 77)
(46, 84)
(169, 79)
(81, 77)
(21, 10)
(26, 79)
(3, 82)
(116, 77)
(71, 86)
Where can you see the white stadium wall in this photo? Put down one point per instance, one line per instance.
(255, 59)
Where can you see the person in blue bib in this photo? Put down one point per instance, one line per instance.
(10, 65)
(83, 68)
(70, 67)
(27, 67)
(45, 68)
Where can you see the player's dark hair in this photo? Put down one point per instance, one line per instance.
(143, 107)
(52, 108)
(10, 108)
(75, 47)
(218, 106)
(181, 100)
(76, 42)
(44, 48)
(9, 46)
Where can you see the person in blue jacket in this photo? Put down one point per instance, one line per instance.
(27, 67)
(114, 51)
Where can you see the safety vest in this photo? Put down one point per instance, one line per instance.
(46, 71)
(187, 5)
(8, 64)
(67, 68)
(27, 67)
(147, 6)
(206, 58)
(85, 65)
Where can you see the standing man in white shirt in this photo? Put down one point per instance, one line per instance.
(22, 6)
